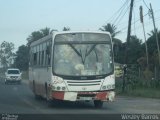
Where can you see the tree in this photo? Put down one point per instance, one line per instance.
(34, 36)
(110, 28)
(22, 57)
(66, 29)
(152, 48)
(6, 53)
(135, 50)
(39, 34)
(116, 42)
(151, 42)
(46, 31)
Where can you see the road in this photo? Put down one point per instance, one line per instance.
(19, 99)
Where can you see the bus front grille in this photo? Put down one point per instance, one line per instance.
(84, 83)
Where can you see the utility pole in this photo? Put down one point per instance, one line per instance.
(141, 18)
(128, 40)
(151, 10)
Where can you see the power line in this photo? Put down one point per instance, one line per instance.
(146, 24)
(137, 1)
(122, 16)
(133, 22)
(158, 10)
(146, 5)
(117, 11)
(137, 21)
(116, 19)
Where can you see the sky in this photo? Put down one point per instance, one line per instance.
(19, 18)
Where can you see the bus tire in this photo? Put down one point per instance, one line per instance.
(46, 91)
(37, 97)
(34, 89)
(98, 103)
(49, 101)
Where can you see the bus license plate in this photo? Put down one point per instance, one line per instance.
(85, 98)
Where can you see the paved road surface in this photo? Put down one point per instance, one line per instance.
(19, 99)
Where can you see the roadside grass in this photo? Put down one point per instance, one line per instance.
(25, 75)
(138, 91)
(142, 92)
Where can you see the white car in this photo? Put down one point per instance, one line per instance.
(13, 75)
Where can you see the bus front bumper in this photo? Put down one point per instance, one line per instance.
(83, 96)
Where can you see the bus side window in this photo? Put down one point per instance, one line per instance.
(37, 55)
(34, 55)
(42, 58)
(30, 57)
(40, 55)
(48, 53)
(35, 58)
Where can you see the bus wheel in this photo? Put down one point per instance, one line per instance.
(98, 104)
(49, 101)
(37, 97)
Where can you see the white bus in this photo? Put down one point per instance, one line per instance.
(73, 66)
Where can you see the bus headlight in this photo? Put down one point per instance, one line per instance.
(58, 88)
(58, 84)
(63, 88)
(53, 87)
(103, 87)
(108, 87)
(8, 77)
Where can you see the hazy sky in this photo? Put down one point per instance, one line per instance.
(19, 18)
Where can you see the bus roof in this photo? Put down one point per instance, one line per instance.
(64, 32)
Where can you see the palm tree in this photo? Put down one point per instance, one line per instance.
(46, 31)
(152, 32)
(116, 42)
(39, 34)
(110, 28)
(154, 35)
(66, 29)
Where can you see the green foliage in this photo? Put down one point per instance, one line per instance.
(147, 74)
(6, 53)
(66, 29)
(110, 28)
(142, 92)
(139, 83)
(39, 34)
(22, 58)
(25, 75)
(134, 50)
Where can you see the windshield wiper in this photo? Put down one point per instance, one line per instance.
(87, 53)
(78, 53)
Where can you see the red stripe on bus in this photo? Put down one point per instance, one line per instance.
(101, 96)
(58, 95)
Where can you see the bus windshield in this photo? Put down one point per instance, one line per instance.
(86, 58)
